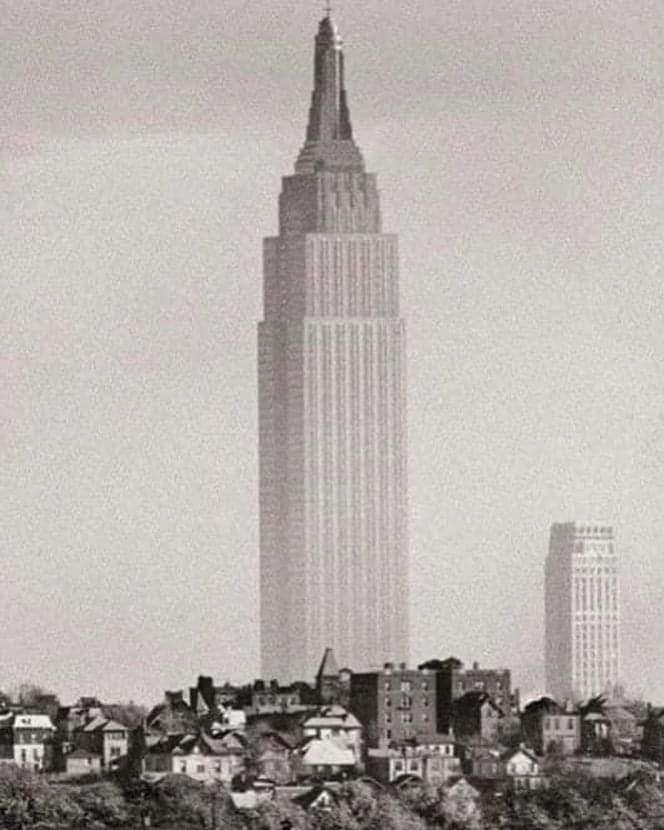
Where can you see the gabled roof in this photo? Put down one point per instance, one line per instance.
(113, 726)
(315, 796)
(231, 743)
(512, 753)
(96, 723)
(319, 752)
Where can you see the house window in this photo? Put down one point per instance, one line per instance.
(405, 686)
(414, 766)
(570, 723)
(388, 685)
(183, 766)
(425, 685)
(200, 767)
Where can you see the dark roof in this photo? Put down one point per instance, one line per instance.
(328, 666)
(82, 753)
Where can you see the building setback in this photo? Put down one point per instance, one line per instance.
(331, 389)
(582, 611)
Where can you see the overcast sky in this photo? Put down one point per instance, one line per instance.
(519, 147)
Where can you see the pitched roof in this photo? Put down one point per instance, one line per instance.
(82, 753)
(331, 716)
(313, 796)
(32, 722)
(328, 666)
(113, 726)
(511, 753)
(96, 723)
(319, 752)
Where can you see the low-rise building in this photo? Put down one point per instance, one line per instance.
(476, 716)
(273, 754)
(33, 741)
(82, 762)
(337, 723)
(324, 759)
(551, 728)
(205, 758)
(429, 758)
(520, 769)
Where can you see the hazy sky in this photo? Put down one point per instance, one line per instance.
(519, 147)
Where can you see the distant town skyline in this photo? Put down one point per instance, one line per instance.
(140, 154)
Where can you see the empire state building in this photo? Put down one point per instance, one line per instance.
(332, 404)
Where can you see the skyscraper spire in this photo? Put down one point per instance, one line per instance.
(329, 143)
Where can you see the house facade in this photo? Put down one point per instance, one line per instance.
(33, 740)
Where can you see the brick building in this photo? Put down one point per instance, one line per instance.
(394, 704)
(453, 681)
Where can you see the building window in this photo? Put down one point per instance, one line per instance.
(183, 766)
(405, 686)
(425, 685)
(200, 768)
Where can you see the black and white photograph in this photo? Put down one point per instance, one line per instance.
(332, 406)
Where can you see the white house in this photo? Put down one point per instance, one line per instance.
(32, 735)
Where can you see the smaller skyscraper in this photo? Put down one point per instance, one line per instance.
(582, 611)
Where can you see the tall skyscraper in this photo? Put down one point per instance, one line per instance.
(332, 403)
(582, 611)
